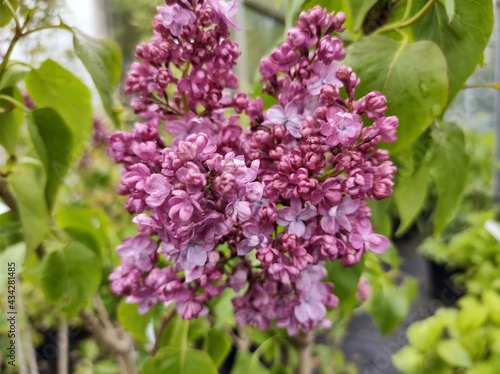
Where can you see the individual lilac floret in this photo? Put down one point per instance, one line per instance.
(175, 17)
(288, 117)
(225, 11)
(295, 215)
(342, 128)
(138, 250)
(323, 75)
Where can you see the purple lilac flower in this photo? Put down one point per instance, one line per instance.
(261, 208)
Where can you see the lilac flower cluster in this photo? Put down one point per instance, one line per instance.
(257, 208)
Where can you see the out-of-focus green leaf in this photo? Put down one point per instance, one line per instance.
(10, 229)
(411, 75)
(454, 354)
(53, 86)
(132, 321)
(14, 254)
(28, 183)
(424, 335)
(87, 225)
(71, 276)
(179, 361)
(5, 14)
(53, 140)
(449, 166)
(346, 283)
(103, 60)
(218, 345)
(462, 41)
(11, 119)
(389, 304)
(243, 363)
(409, 360)
(14, 73)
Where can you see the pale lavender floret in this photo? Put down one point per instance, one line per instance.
(323, 75)
(253, 239)
(175, 17)
(295, 215)
(289, 117)
(341, 128)
(158, 188)
(138, 250)
(340, 216)
(192, 177)
(225, 11)
(182, 206)
(365, 239)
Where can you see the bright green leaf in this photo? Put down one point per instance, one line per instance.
(53, 140)
(103, 60)
(425, 334)
(53, 86)
(462, 41)
(11, 119)
(5, 14)
(28, 183)
(132, 321)
(218, 345)
(71, 276)
(14, 73)
(179, 361)
(15, 254)
(409, 360)
(449, 166)
(454, 354)
(411, 75)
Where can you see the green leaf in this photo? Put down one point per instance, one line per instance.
(132, 321)
(411, 75)
(360, 9)
(410, 195)
(14, 254)
(10, 229)
(53, 140)
(424, 335)
(14, 72)
(346, 283)
(28, 183)
(389, 304)
(53, 86)
(449, 5)
(218, 345)
(244, 362)
(5, 14)
(71, 276)
(449, 166)
(409, 360)
(454, 354)
(462, 40)
(86, 225)
(103, 60)
(179, 361)
(11, 119)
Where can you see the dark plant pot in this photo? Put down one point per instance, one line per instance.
(442, 286)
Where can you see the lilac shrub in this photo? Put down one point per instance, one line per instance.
(242, 197)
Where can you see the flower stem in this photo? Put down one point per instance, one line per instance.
(408, 22)
(304, 344)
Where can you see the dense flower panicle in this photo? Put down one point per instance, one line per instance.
(258, 209)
